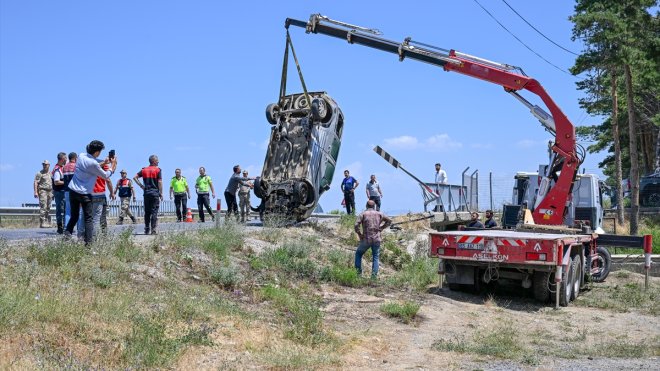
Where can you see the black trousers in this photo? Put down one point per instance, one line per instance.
(232, 206)
(76, 201)
(203, 201)
(349, 200)
(151, 206)
(181, 203)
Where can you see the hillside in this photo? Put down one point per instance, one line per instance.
(239, 297)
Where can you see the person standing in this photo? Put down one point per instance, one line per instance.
(474, 221)
(100, 203)
(348, 186)
(440, 175)
(82, 185)
(125, 190)
(490, 222)
(67, 172)
(43, 190)
(373, 191)
(179, 188)
(203, 185)
(58, 191)
(244, 196)
(153, 193)
(232, 188)
(372, 222)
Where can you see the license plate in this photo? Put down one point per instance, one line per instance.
(470, 246)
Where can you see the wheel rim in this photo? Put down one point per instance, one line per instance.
(576, 280)
(654, 199)
(600, 263)
(569, 287)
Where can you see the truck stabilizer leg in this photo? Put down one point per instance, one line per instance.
(558, 273)
(648, 249)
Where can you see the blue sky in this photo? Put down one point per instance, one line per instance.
(189, 81)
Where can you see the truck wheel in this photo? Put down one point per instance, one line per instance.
(566, 286)
(602, 261)
(652, 200)
(577, 273)
(541, 286)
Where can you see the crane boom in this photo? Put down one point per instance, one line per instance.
(556, 186)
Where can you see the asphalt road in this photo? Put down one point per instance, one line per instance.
(138, 230)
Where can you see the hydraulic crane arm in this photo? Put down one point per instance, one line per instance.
(556, 186)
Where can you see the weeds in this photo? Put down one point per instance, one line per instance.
(57, 253)
(406, 311)
(622, 298)
(417, 274)
(301, 314)
(227, 277)
(292, 258)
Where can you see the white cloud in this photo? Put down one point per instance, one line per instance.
(6, 167)
(482, 146)
(436, 143)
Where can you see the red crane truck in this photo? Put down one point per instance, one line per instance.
(542, 253)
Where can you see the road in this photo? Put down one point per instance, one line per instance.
(138, 228)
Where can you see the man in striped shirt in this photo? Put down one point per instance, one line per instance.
(372, 222)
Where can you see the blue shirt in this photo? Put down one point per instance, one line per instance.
(348, 183)
(84, 177)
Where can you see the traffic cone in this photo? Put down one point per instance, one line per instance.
(189, 218)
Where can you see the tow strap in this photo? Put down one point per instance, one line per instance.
(285, 65)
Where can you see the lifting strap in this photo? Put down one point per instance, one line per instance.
(285, 66)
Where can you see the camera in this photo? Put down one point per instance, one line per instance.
(111, 154)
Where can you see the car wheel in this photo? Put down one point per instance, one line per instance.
(260, 187)
(271, 113)
(602, 261)
(652, 200)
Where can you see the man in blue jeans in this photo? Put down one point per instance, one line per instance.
(373, 222)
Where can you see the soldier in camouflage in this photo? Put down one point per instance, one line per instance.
(244, 197)
(43, 190)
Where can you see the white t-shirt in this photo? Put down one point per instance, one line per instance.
(441, 177)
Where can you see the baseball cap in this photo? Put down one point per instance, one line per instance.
(45, 162)
(122, 171)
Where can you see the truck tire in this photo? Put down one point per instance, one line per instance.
(566, 285)
(576, 265)
(603, 261)
(541, 286)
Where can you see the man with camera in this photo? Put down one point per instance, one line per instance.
(88, 168)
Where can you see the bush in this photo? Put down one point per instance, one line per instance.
(406, 312)
(291, 258)
(227, 277)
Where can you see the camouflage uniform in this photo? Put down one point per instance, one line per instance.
(45, 191)
(244, 200)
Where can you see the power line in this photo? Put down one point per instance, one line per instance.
(520, 41)
(535, 29)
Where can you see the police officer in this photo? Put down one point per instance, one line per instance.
(43, 190)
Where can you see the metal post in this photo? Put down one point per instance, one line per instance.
(474, 176)
(648, 249)
(490, 185)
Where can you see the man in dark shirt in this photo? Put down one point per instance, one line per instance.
(348, 186)
(490, 222)
(373, 222)
(474, 221)
(153, 193)
(235, 181)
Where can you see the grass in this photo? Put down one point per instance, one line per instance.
(503, 341)
(340, 269)
(292, 258)
(300, 313)
(623, 297)
(406, 311)
(416, 275)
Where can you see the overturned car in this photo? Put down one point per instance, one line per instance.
(301, 156)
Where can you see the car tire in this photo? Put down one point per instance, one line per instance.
(603, 262)
(260, 187)
(651, 200)
(541, 286)
(271, 113)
